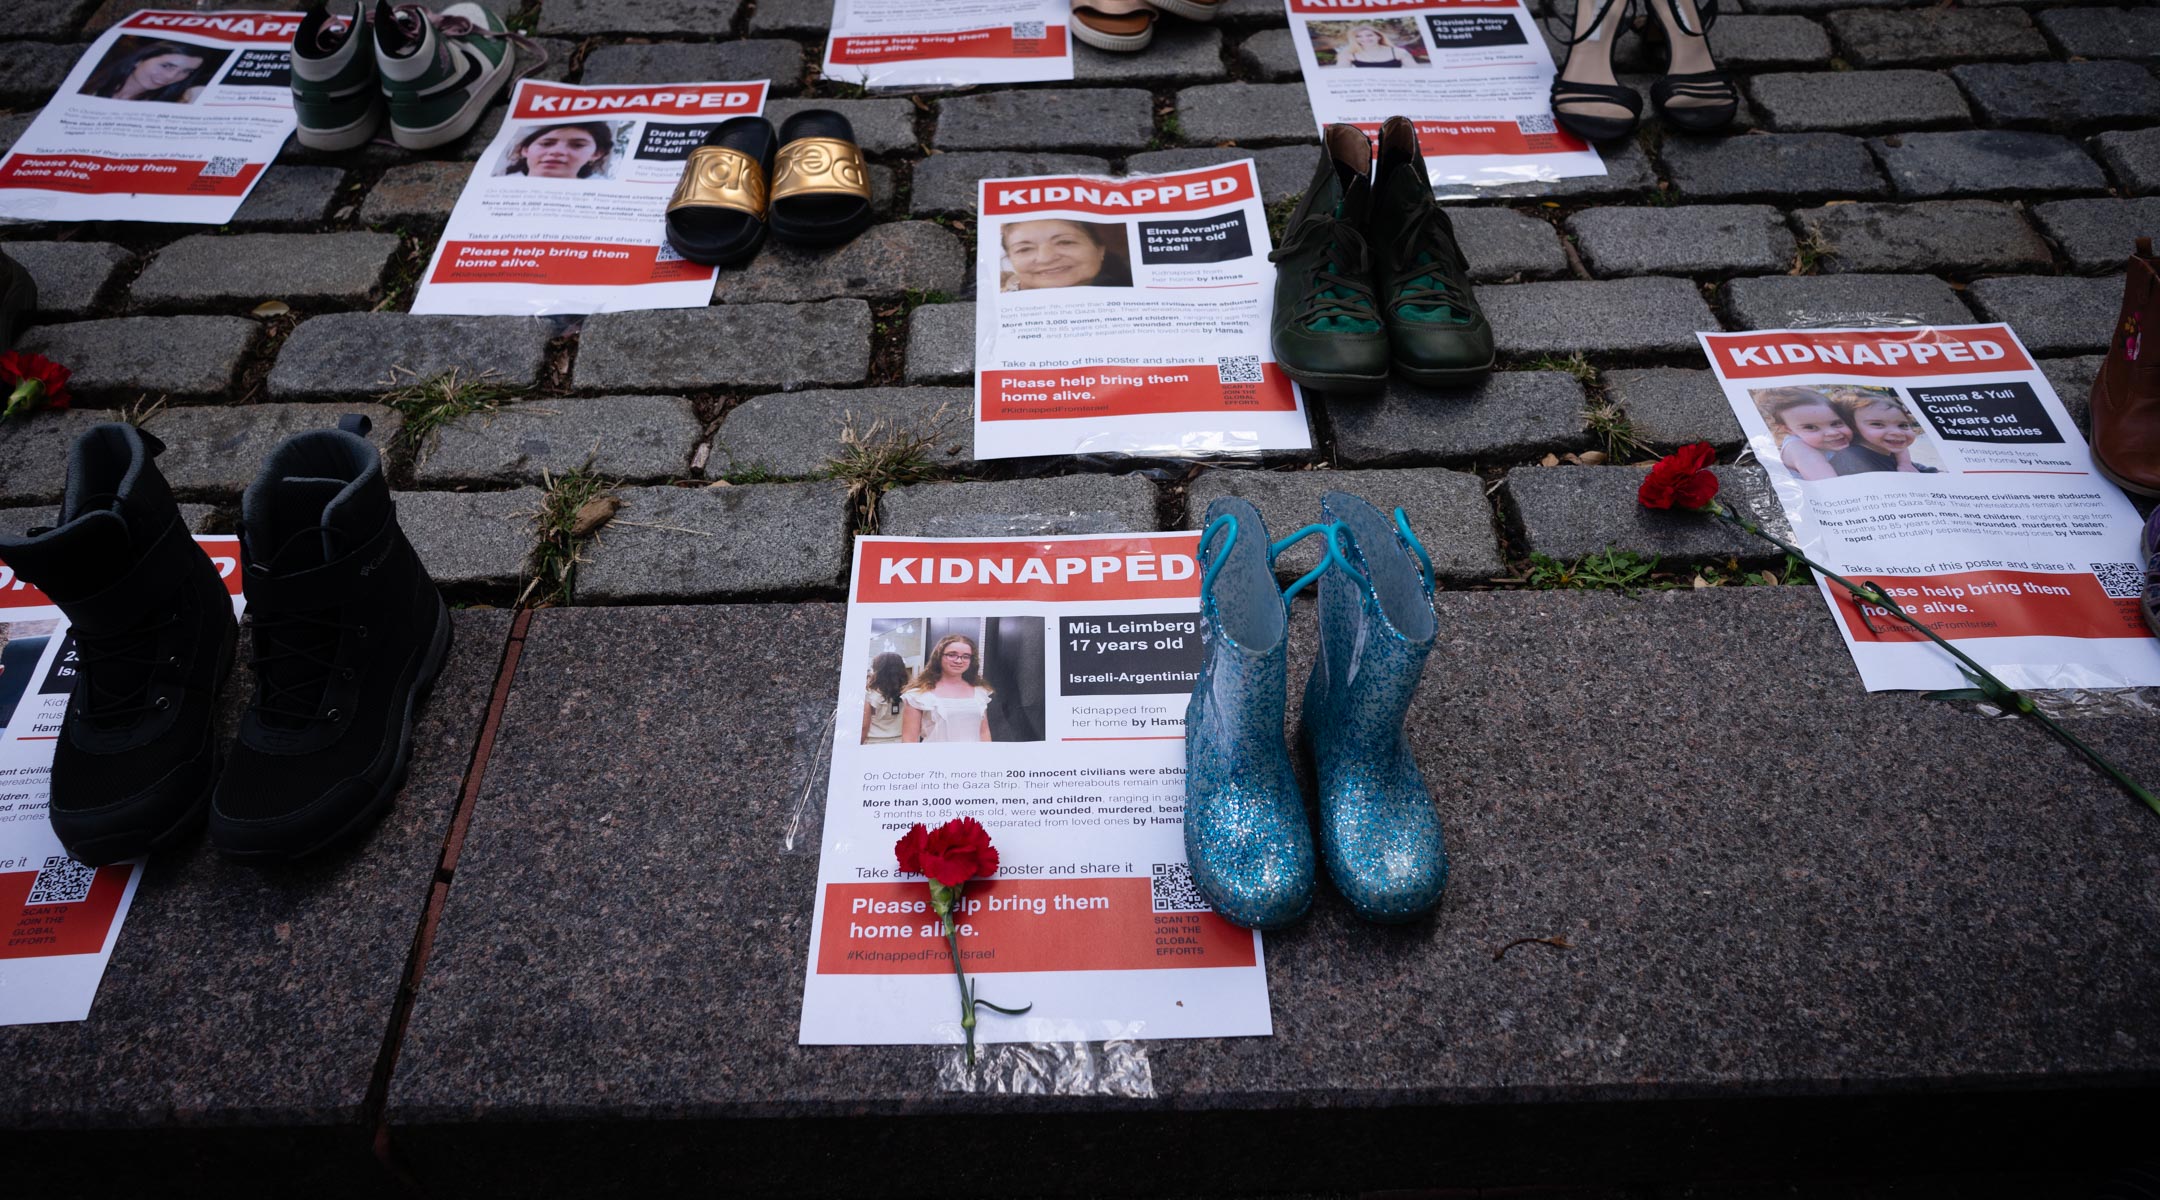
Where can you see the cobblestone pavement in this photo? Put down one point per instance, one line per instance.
(1893, 162)
(1940, 164)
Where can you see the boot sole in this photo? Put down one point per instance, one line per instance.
(1335, 383)
(346, 137)
(1115, 43)
(1450, 377)
(376, 809)
(2119, 481)
(192, 818)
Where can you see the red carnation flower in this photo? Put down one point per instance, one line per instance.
(909, 849)
(1681, 479)
(952, 854)
(32, 381)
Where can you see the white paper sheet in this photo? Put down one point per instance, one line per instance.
(566, 211)
(948, 43)
(1939, 463)
(1473, 74)
(1128, 316)
(169, 116)
(1087, 647)
(59, 919)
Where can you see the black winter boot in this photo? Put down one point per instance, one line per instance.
(349, 634)
(153, 631)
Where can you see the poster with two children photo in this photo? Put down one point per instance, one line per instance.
(1940, 463)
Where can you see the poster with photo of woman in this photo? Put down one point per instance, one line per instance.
(1379, 44)
(154, 69)
(170, 117)
(1061, 253)
(1473, 76)
(1128, 315)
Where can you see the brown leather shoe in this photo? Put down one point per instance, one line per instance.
(2126, 394)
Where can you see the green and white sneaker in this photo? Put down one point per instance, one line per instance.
(335, 90)
(439, 70)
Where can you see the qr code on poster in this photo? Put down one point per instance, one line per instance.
(1536, 124)
(2121, 581)
(223, 168)
(61, 880)
(1239, 368)
(667, 253)
(1028, 31)
(1171, 888)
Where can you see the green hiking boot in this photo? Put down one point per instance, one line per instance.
(439, 70)
(336, 92)
(1326, 329)
(1438, 335)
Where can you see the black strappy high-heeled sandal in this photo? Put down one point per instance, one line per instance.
(1714, 85)
(1565, 91)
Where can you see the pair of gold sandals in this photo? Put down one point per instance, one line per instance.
(805, 181)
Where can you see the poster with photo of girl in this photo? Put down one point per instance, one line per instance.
(954, 679)
(582, 150)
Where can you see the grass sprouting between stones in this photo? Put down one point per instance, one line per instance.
(754, 473)
(1616, 433)
(430, 404)
(573, 507)
(1807, 258)
(1575, 364)
(1624, 570)
(1278, 215)
(876, 458)
(1618, 570)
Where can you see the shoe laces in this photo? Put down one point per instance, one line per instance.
(413, 18)
(1426, 284)
(103, 657)
(294, 659)
(1341, 296)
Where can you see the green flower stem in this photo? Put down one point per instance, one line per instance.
(20, 400)
(967, 1003)
(1994, 689)
(942, 901)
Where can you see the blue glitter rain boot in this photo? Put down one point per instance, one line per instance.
(1245, 832)
(1379, 833)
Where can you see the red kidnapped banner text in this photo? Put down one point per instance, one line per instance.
(1180, 192)
(92, 174)
(1159, 567)
(220, 27)
(1871, 353)
(540, 100)
(997, 42)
